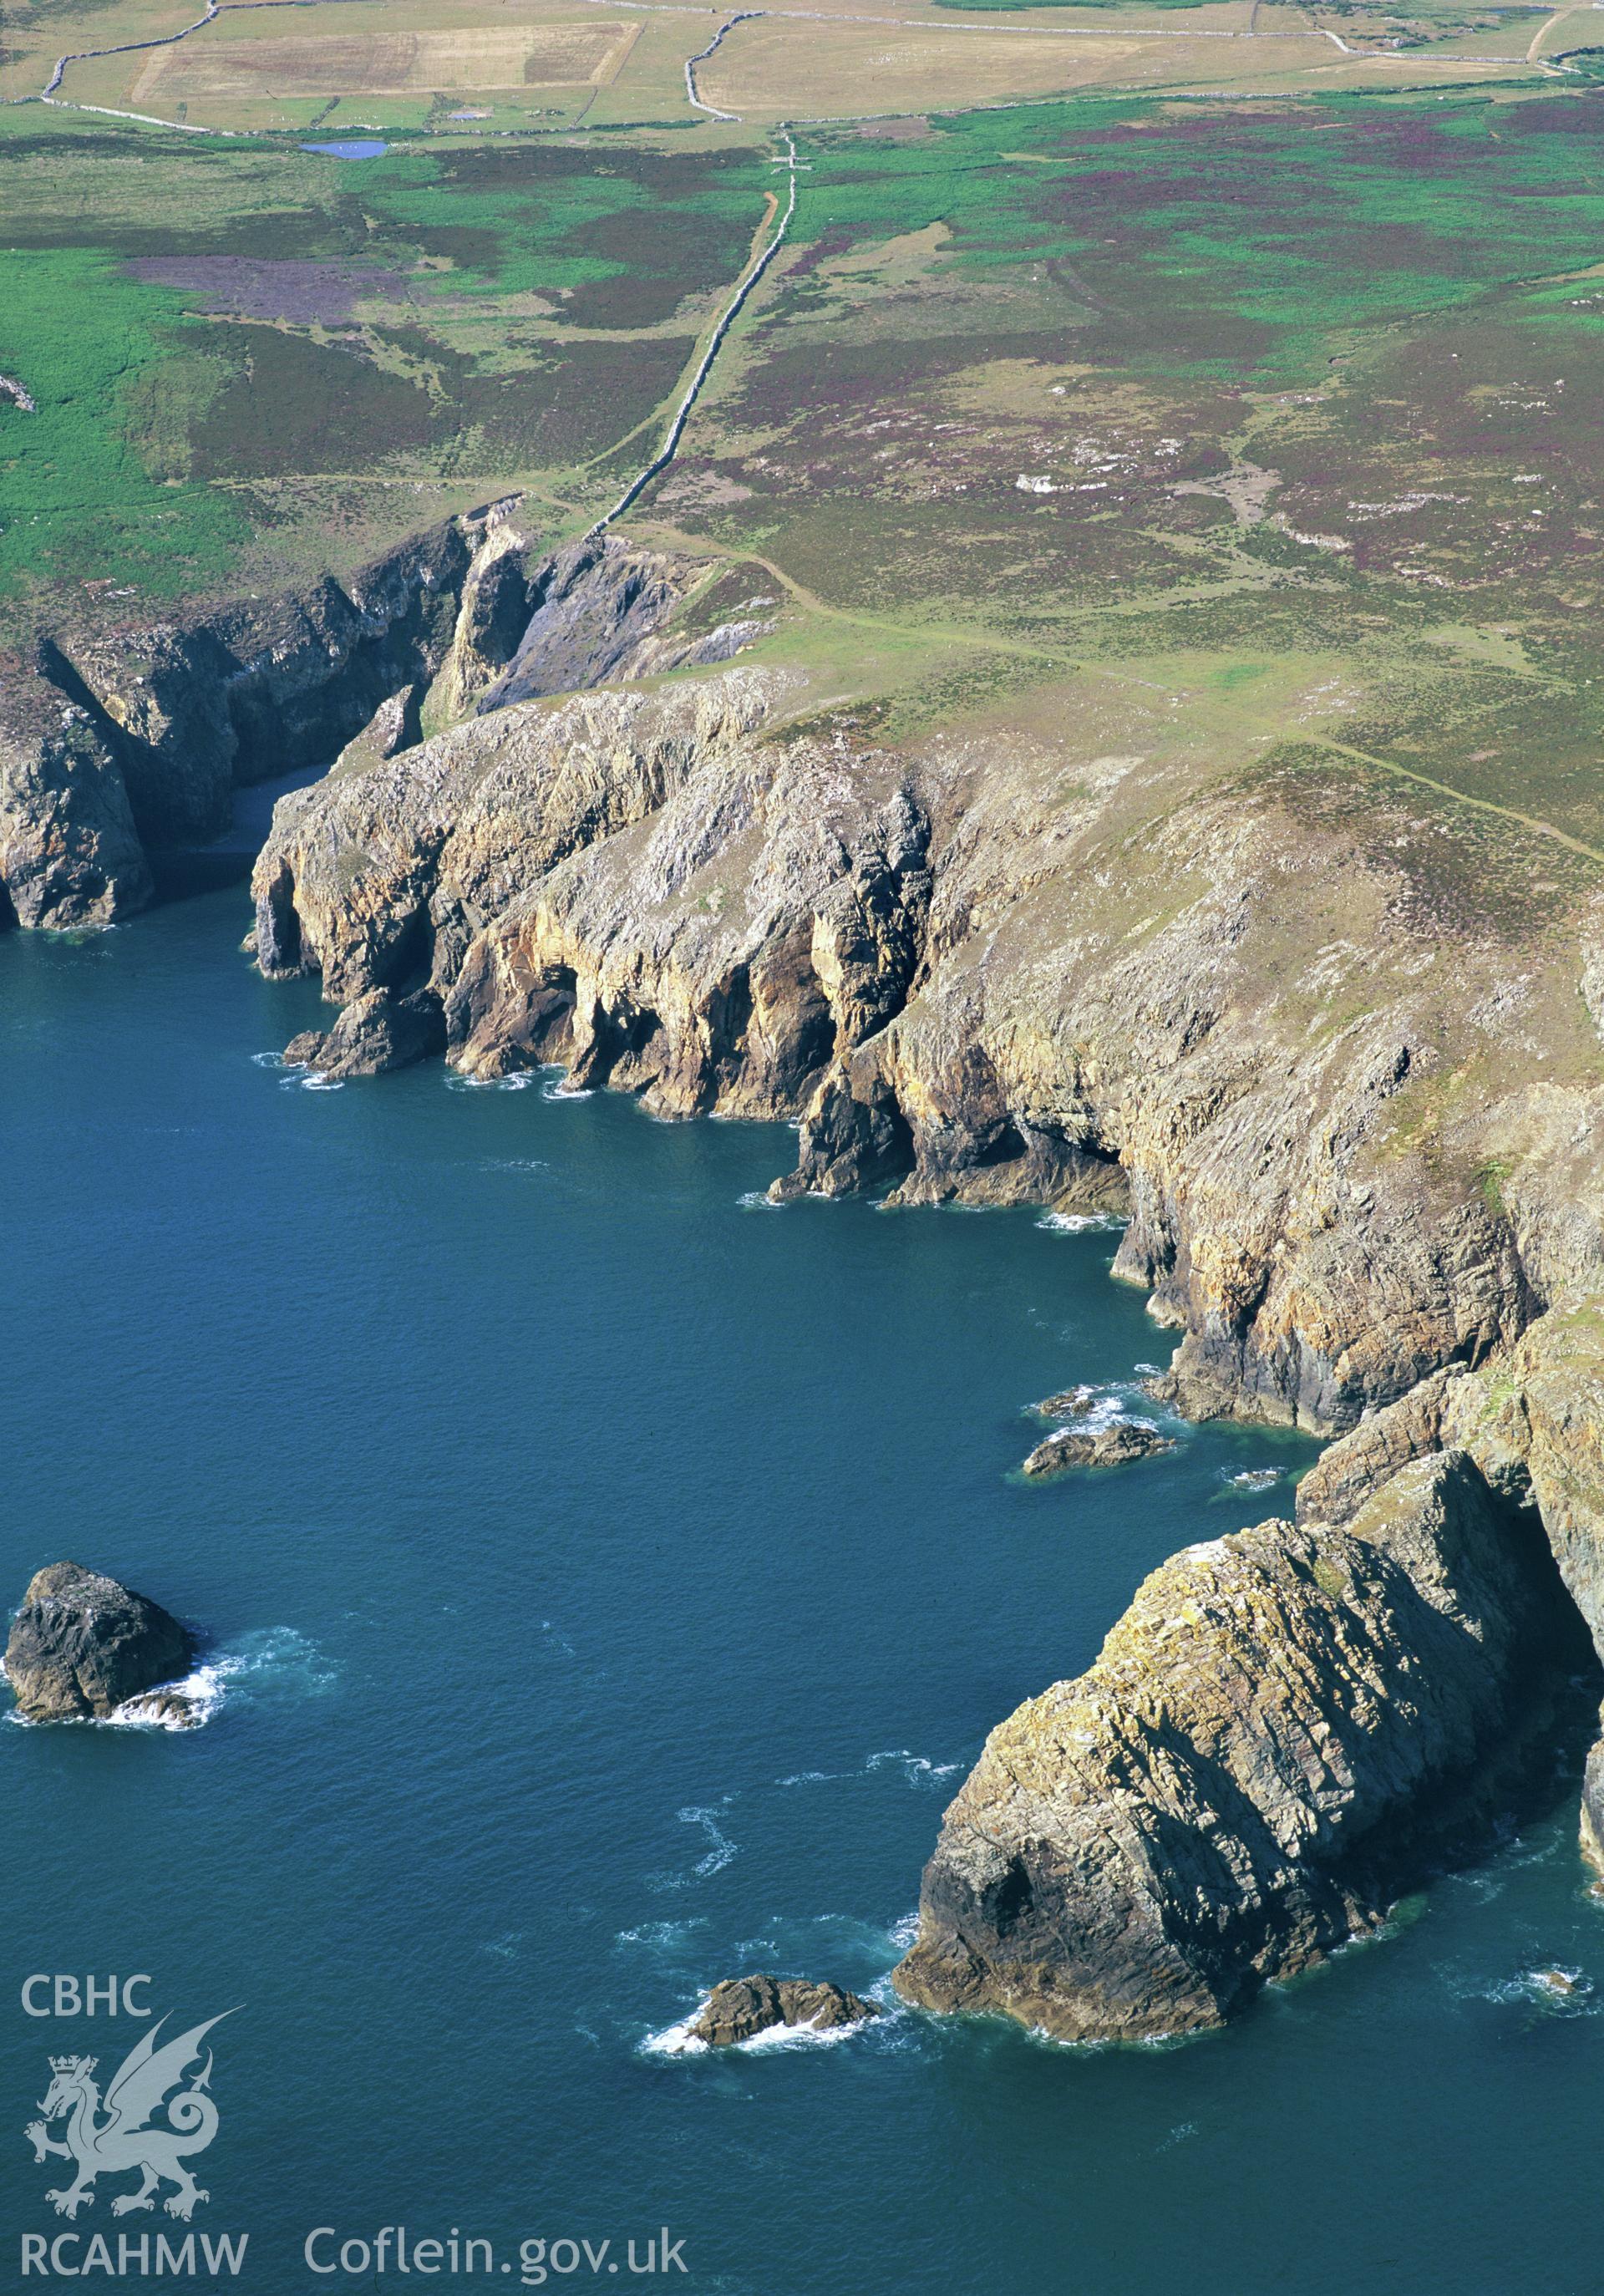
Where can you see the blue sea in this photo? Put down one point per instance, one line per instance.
(606, 1579)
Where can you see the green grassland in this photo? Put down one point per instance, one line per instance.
(1275, 427)
(1306, 398)
(247, 358)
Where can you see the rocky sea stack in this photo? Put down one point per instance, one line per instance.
(743, 2006)
(1285, 1730)
(82, 1645)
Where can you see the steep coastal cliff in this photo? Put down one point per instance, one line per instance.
(990, 967)
(1346, 1087)
(118, 739)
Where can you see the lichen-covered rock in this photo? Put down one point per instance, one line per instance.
(1249, 1773)
(1352, 1470)
(743, 2006)
(1533, 1421)
(1110, 1445)
(82, 1645)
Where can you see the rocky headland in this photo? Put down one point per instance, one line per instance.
(1292, 1725)
(1330, 1044)
(968, 974)
(82, 1646)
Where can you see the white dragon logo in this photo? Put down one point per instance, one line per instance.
(123, 2139)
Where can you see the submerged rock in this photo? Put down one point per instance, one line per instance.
(1257, 1765)
(82, 1645)
(1097, 1447)
(1074, 1403)
(169, 1708)
(743, 2006)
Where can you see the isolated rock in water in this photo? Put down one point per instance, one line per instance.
(81, 1645)
(1097, 1447)
(1074, 1403)
(1257, 1766)
(744, 2005)
(374, 1033)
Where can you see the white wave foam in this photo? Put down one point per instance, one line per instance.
(518, 1080)
(1562, 1991)
(266, 1059)
(664, 1937)
(563, 1090)
(1082, 1222)
(313, 1080)
(678, 2040)
(273, 1659)
(916, 1770)
(905, 1930)
(759, 1199)
(1252, 1479)
(718, 1853)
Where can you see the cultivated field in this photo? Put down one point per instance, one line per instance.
(396, 63)
(382, 61)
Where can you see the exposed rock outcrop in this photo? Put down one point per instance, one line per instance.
(118, 738)
(743, 2006)
(82, 1645)
(970, 974)
(1352, 1471)
(374, 1033)
(1110, 1445)
(394, 726)
(588, 612)
(1592, 1806)
(1252, 1770)
(69, 853)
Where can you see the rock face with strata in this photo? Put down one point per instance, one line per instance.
(82, 1645)
(1249, 1774)
(741, 2007)
(374, 1033)
(119, 739)
(935, 958)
